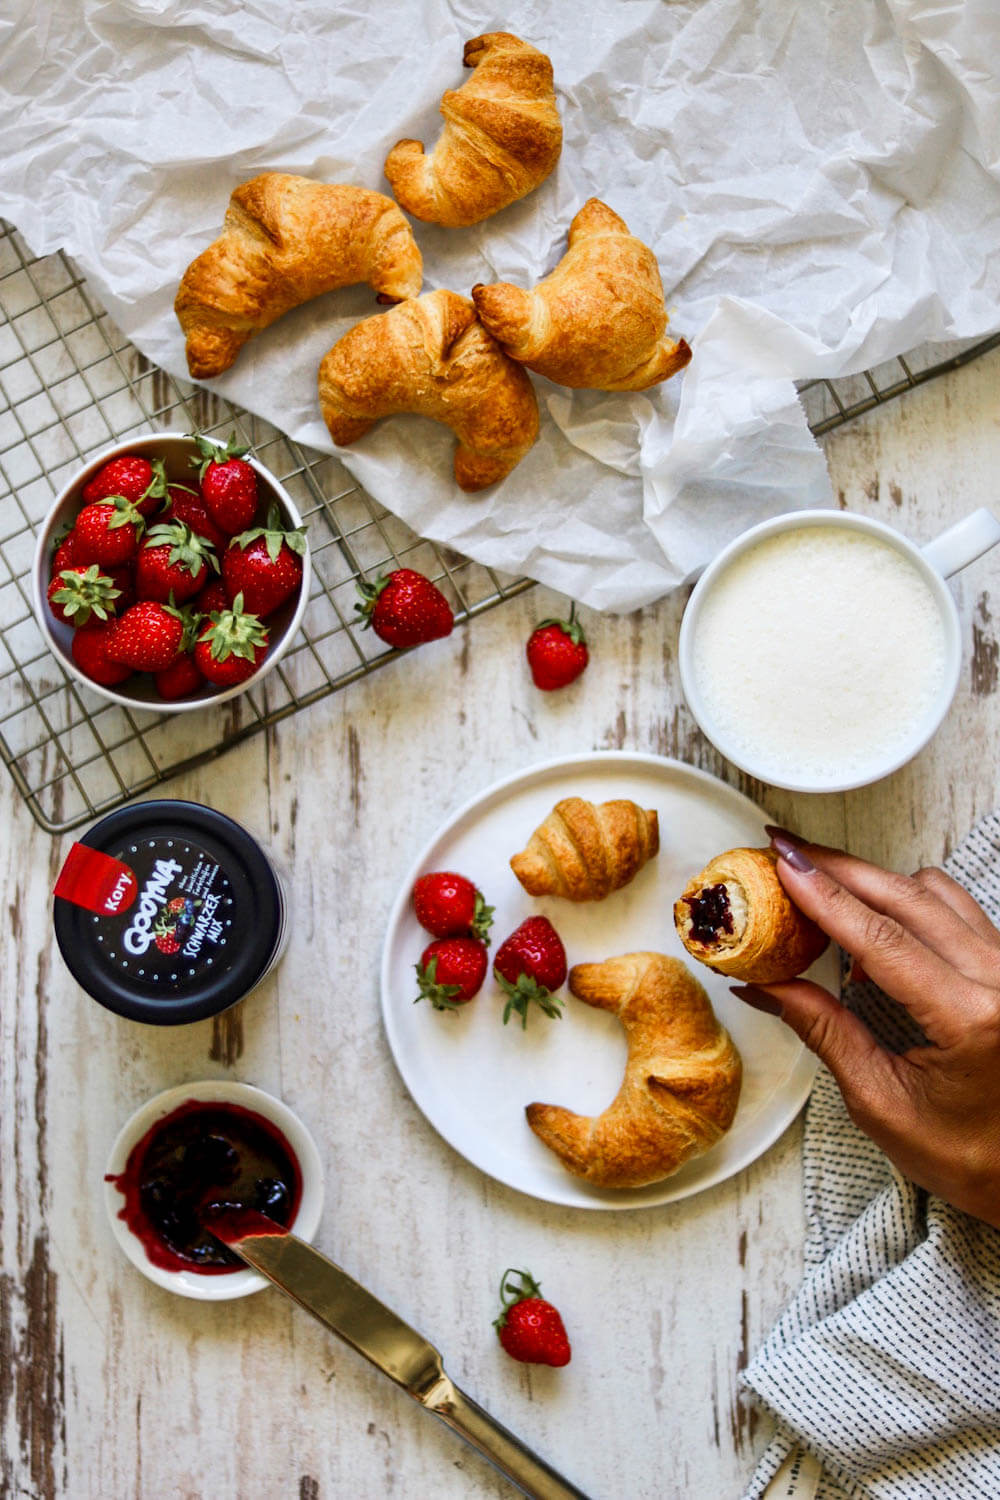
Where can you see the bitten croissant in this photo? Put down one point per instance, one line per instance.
(432, 356)
(287, 239)
(598, 320)
(502, 137)
(681, 1084)
(585, 850)
(737, 918)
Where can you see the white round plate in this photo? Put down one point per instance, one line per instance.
(472, 1076)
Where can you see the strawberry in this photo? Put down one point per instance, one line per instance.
(173, 560)
(64, 553)
(180, 679)
(405, 608)
(89, 647)
(528, 966)
(135, 478)
(557, 652)
(264, 565)
(451, 970)
(187, 505)
(212, 596)
(165, 936)
(231, 645)
(108, 532)
(529, 1328)
(448, 905)
(77, 594)
(148, 636)
(228, 485)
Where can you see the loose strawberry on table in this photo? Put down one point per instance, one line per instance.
(448, 905)
(529, 1328)
(173, 563)
(451, 970)
(79, 594)
(264, 564)
(89, 649)
(557, 652)
(528, 966)
(404, 608)
(231, 645)
(148, 636)
(228, 485)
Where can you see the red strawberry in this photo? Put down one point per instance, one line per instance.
(449, 905)
(180, 679)
(64, 555)
(557, 652)
(228, 485)
(264, 565)
(165, 936)
(108, 532)
(186, 505)
(212, 596)
(138, 480)
(173, 560)
(451, 970)
(405, 608)
(528, 966)
(79, 594)
(90, 652)
(231, 645)
(529, 1328)
(148, 636)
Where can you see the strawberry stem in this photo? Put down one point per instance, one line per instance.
(525, 992)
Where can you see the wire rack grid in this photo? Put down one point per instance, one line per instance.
(71, 384)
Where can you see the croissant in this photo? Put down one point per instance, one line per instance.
(431, 355)
(287, 239)
(597, 320)
(501, 137)
(737, 918)
(681, 1084)
(584, 851)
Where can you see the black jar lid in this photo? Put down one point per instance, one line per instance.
(199, 919)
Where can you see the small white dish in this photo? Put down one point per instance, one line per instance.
(175, 448)
(214, 1288)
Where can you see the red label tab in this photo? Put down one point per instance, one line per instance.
(96, 881)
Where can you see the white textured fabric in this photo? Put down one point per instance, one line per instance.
(886, 1366)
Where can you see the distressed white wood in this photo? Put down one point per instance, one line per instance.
(114, 1388)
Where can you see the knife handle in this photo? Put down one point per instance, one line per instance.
(531, 1474)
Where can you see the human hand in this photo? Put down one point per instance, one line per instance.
(934, 1110)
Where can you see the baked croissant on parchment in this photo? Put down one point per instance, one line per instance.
(681, 1084)
(502, 137)
(737, 918)
(585, 850)
(598, 320)
(287, 239)
(432, 356)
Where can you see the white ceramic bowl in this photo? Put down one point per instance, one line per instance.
(216, 1288)
(175, 448)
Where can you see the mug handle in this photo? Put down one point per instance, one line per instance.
(962, 543)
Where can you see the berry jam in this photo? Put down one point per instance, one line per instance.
(711, 914)
(203, 1161)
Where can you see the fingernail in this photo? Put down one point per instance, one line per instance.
(775, 831)
(759, 999)
(792, 854)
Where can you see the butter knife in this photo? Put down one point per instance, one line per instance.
(345, 1307)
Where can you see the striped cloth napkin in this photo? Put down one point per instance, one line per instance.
(884, 1372)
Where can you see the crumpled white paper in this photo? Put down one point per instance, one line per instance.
(820, 183)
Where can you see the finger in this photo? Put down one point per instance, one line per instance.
(943, 1002)
(958, 898)
(865, 1073)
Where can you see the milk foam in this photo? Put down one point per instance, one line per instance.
(818, 654)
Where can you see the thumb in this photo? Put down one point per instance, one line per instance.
(862, 1068)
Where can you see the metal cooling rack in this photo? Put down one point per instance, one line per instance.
(71, 384)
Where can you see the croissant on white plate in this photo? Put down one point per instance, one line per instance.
(285, 240)
(585, 850)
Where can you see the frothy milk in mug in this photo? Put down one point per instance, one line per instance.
(819, 652)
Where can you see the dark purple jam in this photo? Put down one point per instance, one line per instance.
(711, 914)
(204, 1161)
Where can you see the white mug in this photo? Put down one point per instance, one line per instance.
(954, 549)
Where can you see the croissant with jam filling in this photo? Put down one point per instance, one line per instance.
(737, 918)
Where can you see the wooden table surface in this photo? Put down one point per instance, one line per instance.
(113, 1388)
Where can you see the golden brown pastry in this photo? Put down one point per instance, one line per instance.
(287, 239)
(682, 1077)
(432, 356)
(598, 319)
(737, 918)
(501, 137)
(586, 850)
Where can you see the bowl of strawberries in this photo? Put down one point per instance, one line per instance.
(172, 572)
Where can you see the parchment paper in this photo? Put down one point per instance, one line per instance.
(820, 182)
